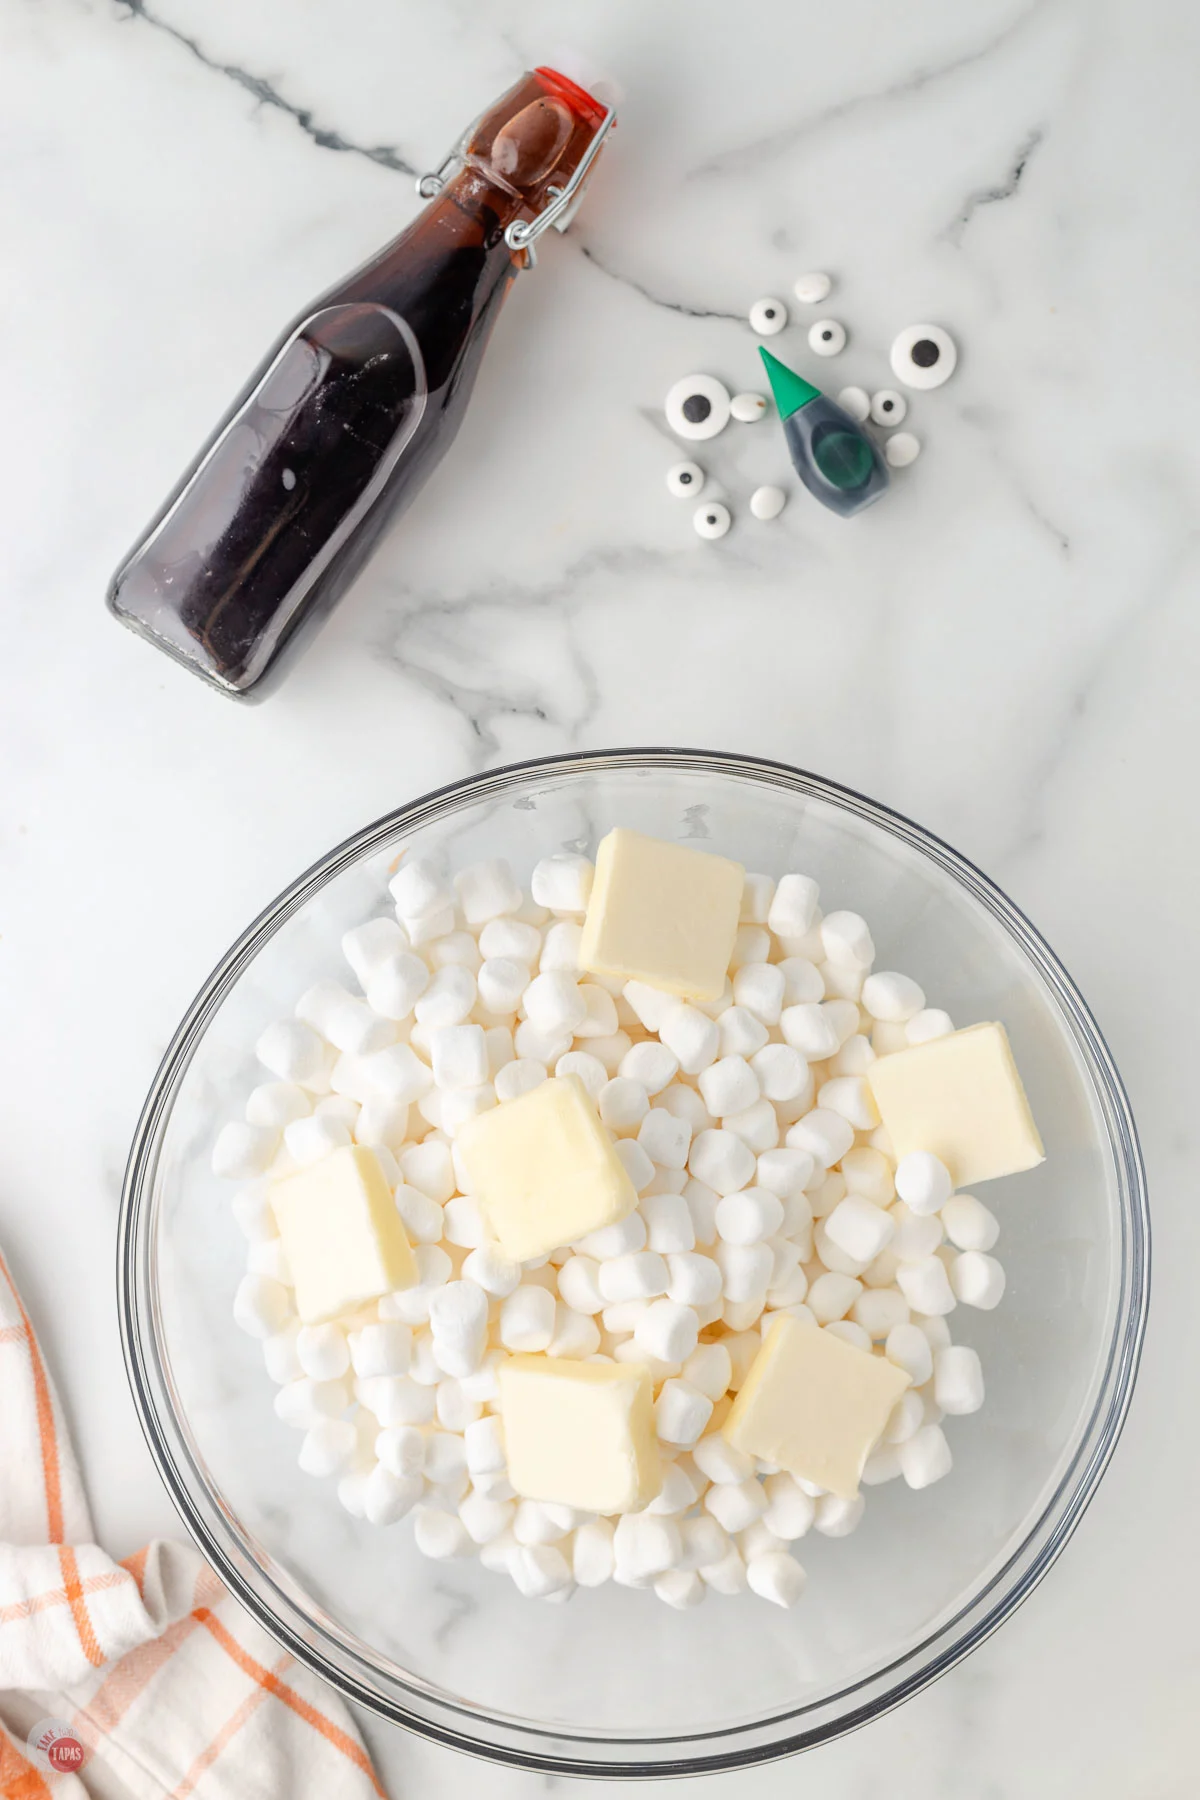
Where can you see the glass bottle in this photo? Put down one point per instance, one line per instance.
(355, 403)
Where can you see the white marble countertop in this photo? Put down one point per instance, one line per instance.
(1006, 650)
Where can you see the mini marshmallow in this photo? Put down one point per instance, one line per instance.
(458, 1309)
(579, 1284)
(837, 1518)
(824, 1195)
(487, 890)
(276, 1103)
(729, 1086)
(483, 1442)
(681, 1413)
(917, 1234)
(322, 1351)
(977, 1280)
(859, 1228)
(593, 1556)
(261, 1306)
(512, 939)
(459, 1056)
(292, 1051)
(882, 1465)
(927, 1025)
(560, 948)
(721, 1160)
(611, 1050)
(879, 1311)
(869, 1173)
(846, 937)
(793, 909)
(420, 888)
(302, 1402)
(760, 987)
(926, 1286)
(349, 1023)
(448, 999)
(809, 1029)
(401, 1450)
(742, 1033)
(691, 1036)
(383, 1348)
(909, 1348)
(749, 1217)
(554, 1004)
(741, 1315)
(693, 1280)
(639, 1275)
(244, 1150)
(501, 981)
(440, 1535)
(735, 1505)
(397, 1400)
(427, 930)
(527, 1319)
(423, 1218)
(745, 1270)
(782, 1072)
(575, 1335)
(327, 1446)
(757, 1126)
(802, 983)
(958, 1379)
(395, 985)
(485, 1518)
(623, 1104)
(681, 1588)
(893, 998)
(463, 1223)
(777, 1577)
(586, 1069)
(429, 1167)
(790, 1511)
(653, 1065)
(824, 1134)
(627, 1235)
(518, 1077)
(850, 1333)
(601, 1017)
(563, 883)
(490, 1270)
(935, 1329)
(850, 1096)
(665, 1139)
(456, 947)
(832, 1295)
(382, 1123)
(968, 1224)
(708, 1368)
(923, 1182)
(855, 1056)
(906, 1418)
(668, 1223)
(751, 944)
(279, 1354)
(667, 1332)
(645, 1545)
(636, 1163)
(926, 1457)
(786, 1172)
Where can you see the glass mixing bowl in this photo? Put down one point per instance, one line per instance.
(615, 1683)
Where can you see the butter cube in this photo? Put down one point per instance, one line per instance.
(815, 1405)
(959, 1097)
(662, 914)
(580, 1433)
(543, 1169)
(343, 1238)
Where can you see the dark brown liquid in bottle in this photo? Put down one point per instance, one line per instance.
(348, 414)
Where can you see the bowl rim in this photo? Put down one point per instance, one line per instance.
(559, 1751)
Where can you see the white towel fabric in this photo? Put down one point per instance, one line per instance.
(170, 1688)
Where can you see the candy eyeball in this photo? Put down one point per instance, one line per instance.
(697, 407)
(826, 337)
(768, 316)
(748, 407)
(711, 520)
(901, 449)
(685, 478)
(857, 402)
(767, 502)
(812, 289)
(923, 356)
(888, 407)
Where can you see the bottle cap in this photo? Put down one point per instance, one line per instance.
(791, 391)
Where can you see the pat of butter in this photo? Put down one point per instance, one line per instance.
(543, 1169)
(959, 1097)
(343, 1238)
(662, 914)
(815, 1405)
(580, 1433)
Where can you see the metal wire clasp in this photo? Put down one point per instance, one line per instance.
(522, 234)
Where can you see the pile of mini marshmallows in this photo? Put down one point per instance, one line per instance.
(700, 406)
(765, 1184)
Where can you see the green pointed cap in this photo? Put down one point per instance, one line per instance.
(791, 391)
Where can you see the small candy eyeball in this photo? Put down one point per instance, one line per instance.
(697, 407)
(814, 288)
(826, 337)
(901, 449)
(711, 520)
(768, 316)
(857, 402)
(888, 407)
(685, 478)
(767, 502)
(923, 356)
(748, 407)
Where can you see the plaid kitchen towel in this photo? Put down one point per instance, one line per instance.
(139, 1679)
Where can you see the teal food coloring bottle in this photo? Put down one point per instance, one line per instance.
(833, 456)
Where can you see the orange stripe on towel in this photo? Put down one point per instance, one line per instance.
(78, 1605)
(47, 1434)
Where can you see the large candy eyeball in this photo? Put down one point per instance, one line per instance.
(826, 337)
(711, 520)
(923, 356)
(685, 478)
(888, 407)
(768, 316)
(697, 407)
